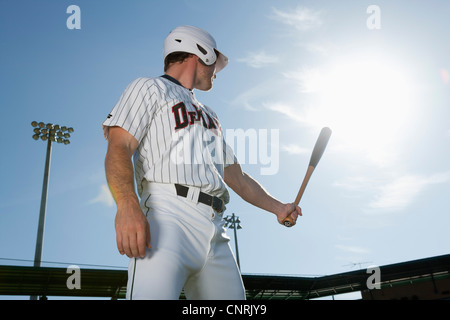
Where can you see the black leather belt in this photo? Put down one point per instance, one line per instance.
(214, 202)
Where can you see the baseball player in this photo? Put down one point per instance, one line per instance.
(173, 146)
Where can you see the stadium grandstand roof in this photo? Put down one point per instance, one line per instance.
(418, 279)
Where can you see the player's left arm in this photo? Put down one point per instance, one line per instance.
(252, 192)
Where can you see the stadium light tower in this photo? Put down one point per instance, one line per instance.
(233, 222)
(50, 133)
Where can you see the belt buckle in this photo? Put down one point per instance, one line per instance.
(217, 205)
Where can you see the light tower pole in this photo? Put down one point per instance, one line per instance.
(50, 133)
(233, 222)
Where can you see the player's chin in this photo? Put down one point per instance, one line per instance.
(206, 86)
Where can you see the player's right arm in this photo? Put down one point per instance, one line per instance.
(132, 228)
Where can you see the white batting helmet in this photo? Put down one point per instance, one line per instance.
(196, 41)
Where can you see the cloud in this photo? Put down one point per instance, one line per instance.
(316, 48)
(294, 149)
(355, 183)
(259, 59)
(288, 111)
(301, 18)
(251, 98)
(402, 191)
(310, 80)
(396, 195)
(104, 197)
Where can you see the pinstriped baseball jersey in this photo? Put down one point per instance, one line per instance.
(180, 140)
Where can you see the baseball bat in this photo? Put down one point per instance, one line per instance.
(317, 153)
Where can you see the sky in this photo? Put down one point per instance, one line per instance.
(375, 72)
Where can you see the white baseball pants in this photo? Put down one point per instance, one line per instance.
(190, 250)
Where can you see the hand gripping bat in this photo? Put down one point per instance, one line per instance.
(317, 153)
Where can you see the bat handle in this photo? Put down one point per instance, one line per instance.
(288, 221)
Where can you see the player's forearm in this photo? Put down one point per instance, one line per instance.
(120, 174)
(254, 193)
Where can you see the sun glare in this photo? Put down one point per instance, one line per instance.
(367, 103)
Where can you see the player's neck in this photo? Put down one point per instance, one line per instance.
(184, 73)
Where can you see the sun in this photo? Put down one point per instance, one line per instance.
(368, 103)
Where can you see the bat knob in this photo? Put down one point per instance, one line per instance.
(287, 224)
